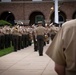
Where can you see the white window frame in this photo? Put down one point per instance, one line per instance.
(37, 0)
(5, 0)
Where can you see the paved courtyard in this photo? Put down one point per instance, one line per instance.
(26, 62)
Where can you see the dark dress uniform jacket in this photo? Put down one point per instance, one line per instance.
(63, 48)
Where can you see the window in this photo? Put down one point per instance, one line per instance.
(74, 15)
(36, 0)
(62, 17)
(5, 0)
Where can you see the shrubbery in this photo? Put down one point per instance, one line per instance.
(3, 22)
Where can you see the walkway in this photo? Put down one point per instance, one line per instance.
(26, 62)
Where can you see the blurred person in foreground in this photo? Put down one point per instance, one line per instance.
(63, 49)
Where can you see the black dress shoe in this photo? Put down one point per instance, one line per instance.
(40, 54)
(35, 50)
(15, 50)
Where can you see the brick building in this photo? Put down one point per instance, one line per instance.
(29, 11)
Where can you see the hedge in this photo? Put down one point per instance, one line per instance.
(3, 22)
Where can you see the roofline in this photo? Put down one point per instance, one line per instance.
(37, 1)
(27, 2)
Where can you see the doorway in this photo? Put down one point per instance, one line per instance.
(8, 16)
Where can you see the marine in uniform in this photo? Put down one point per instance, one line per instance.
(34, 38)
(20, 38)
(24, 36)
(6, 31)
(30, 30)
(27, 36)
(40, 31)
(16, 37)
(54, 31)
(1, 38)
(47, 34)
(63, 49)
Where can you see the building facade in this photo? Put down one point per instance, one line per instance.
(29, 11)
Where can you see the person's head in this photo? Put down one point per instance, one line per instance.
(39, 23)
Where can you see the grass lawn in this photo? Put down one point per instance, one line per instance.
(6, 51)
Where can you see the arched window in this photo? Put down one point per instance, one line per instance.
(7, 16)
(74, 15)
(62, 17)
(35, 17)
(5, 0)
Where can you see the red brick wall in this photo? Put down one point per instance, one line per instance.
(23, 10)
(42, 7)
(16, 9)
(68, 9)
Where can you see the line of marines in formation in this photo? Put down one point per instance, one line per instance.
(22, 36)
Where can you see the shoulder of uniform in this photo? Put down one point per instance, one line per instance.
(69, 23)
